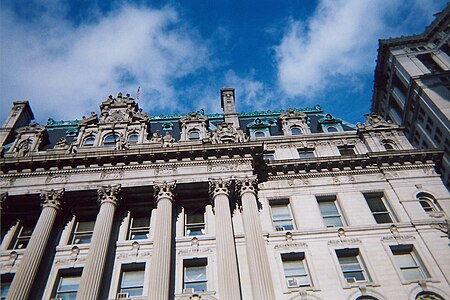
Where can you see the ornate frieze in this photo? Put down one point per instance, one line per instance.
(226, 133)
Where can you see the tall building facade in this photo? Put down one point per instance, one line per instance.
(294, 204)
(412, 86)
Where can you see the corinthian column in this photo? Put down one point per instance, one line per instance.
(260, 277)
(227, 267)
(90, 283)
(161, 257)
(26, 273)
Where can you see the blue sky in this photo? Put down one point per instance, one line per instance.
(65, 57)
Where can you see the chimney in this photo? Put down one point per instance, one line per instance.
(229, 106)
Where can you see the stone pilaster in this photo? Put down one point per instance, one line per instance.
(227, 267)
(29, 264)
(260, 276)
(91, 279)
(161, 257)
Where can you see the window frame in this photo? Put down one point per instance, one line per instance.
(88, 138)
(334, 200)
(138, 229)
(128, 268)
(109, 143)
(299, 132)
(66, 273)
(191, 132)
(196, 263)
(133, 142)
(19, 238)
(299, 256)
(346, 150)
(305, 153)
(384, 201)
(83, 233)
(5, 281)
(189, 226)
(362, 267)
(281, 203)
(417, 259)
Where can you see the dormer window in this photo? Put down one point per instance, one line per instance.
(332, 129)
(133, 138)
(296, 131)
(89, 141)
(110, 140)
(194, 135)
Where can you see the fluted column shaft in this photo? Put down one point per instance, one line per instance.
(91, 278)
(162, 243)
(29, 264)
(260, 276)
(227, 267)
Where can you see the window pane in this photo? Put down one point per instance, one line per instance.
(85, 226)
(332, 221)
(376, 204)
(133, 278)
(412, 274)
(280, 212)
(382, 218)
(69, 284)
(405, 260)
(328, 208)
(259, 134)
(133, 138)
(195, 218)
(294, 268)
(197, 286)
(296, 131)
(195, 274)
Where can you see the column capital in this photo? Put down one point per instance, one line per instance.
(164, 190)
(219, 186)
(109, 194)
(52, 198)
(247, 185)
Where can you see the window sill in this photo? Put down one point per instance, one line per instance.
(71, 246)
(295, 290)
(360, 284)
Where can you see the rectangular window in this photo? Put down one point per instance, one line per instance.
(131, 281)
(195, 279)
(378, 208)
(408, 261)
(194, 223)
(295, 270)
(346, 150)
(427, 60)
(67, 287)
(6, 280)
(82, 233)
(22, 237)
(306, 153)
(281, 216)
(139, 228)
(351, 265)
(330, 212)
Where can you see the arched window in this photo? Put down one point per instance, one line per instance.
(425, 295)
(389, 145)
(259, 134)
(110, 140)
(133, 138)
(296, 131)
(428, 202)
(194, 135)
(332, 129)
(89, 141)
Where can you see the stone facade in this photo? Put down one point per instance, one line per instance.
(412, 86)
(293, 204)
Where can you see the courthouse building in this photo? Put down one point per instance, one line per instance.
(292, 204)
(412, 86)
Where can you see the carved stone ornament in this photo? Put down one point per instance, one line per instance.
(3, 198)
(156, 138)
(226, 133)
(247, 185)
(219, 186)
(167, 140)
(23, 149)
(164, 190)
(375, 121)
(73, 147)
(109, 193)
(52, 198)
(61, 144)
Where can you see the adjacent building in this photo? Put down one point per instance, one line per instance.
(412, 86)
(292, 204)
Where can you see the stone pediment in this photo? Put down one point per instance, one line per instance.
(121, 110)
(292, 114)
(375, 121)
(193, 117)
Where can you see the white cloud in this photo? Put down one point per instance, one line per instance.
(65, 70)
(339, 41)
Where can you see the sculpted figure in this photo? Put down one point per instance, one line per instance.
(61, 144)
(168, 140)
